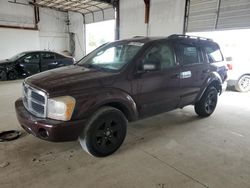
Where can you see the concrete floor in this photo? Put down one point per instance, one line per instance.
(175, 149)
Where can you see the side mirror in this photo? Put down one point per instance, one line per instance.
(149, 67)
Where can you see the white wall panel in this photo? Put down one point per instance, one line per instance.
(17, 15)
(166, 18)
(132, 17)
(13, 41)
(53, 30)
(77, 27)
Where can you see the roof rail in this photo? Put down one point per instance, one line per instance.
(138, 36)
(174, 36)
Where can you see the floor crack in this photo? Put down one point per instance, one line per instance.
(179, 171)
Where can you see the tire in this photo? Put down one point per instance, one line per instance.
(12, 75)
(207, 104)
(3, 76)
(243, 84)
(104, 132)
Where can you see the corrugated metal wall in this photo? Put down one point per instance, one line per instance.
(210, 15)
(234, 14)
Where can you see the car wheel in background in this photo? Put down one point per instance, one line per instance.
(207, 104)
(243, 84)
(104, 133)
(3, 76)
(12, 75)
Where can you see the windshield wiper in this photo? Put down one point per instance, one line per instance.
(96, 67)
(92, 66)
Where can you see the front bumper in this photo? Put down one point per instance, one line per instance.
(47, 129)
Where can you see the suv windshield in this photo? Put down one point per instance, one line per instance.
(111, 57)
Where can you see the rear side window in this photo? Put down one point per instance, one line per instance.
(58, 56)
(213, 54)
(189, 54)
(49, 56)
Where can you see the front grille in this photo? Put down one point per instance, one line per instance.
(34, 100)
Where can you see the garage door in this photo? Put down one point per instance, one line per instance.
(98, 16)
(93, 10)
(210, 15)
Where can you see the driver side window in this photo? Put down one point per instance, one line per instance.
(32, 58)
(159, 56)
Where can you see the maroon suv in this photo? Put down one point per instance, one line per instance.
(119, 82)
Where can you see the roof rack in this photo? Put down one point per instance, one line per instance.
(188, 37)
(138, 36)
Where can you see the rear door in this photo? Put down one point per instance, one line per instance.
(48, 61)
(193, 73)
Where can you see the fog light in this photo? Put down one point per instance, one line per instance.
(43, 133)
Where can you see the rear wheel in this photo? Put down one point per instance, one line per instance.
(104, 133)
(3, 76)
(243, 84)
(207, 104)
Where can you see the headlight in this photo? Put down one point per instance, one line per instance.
(61, 108)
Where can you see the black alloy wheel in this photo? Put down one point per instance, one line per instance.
(208, 102)
(211, 101)
(104, 133)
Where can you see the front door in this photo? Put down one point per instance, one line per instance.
(30, 64)
(157, 80)
(48, 61)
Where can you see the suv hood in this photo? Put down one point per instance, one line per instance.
(66, 80)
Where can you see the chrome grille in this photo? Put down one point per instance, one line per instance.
(34, 100)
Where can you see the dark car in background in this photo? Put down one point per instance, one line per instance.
(32, 62)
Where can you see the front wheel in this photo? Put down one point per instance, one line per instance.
(104, 133)
(3, 76)
(243, 84)
(207, 104)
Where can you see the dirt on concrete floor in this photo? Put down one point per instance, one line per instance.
(175, 149)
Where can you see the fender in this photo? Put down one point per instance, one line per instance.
(88, 104)
(213, 79)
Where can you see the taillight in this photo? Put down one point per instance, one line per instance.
(229, 66)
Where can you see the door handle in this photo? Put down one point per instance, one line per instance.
(54, 63)
(186, 74)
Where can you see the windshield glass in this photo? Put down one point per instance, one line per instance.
(111, 57)
(16, 57)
